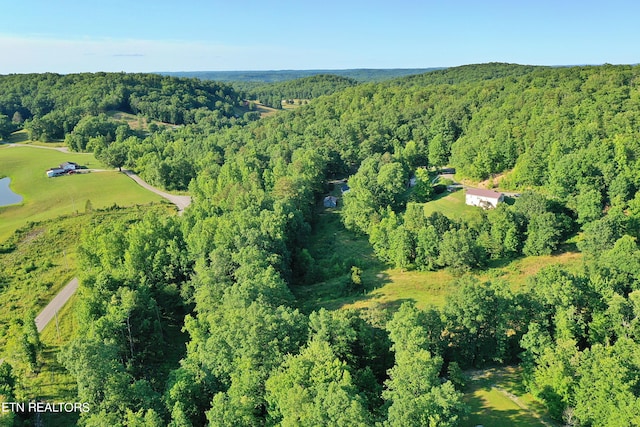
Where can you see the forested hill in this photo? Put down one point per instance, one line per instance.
(305, 88)
(53, 104)
(467, 73)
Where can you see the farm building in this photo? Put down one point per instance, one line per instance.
(485, 199)
(330, 202)
(55, 172)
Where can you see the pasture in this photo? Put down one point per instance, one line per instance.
(46, 198)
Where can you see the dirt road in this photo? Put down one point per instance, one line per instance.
(49, 312)
(61, 149)
(180, 201)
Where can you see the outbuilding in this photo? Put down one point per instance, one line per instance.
(55, 172)
(330, 202)
(486, 199)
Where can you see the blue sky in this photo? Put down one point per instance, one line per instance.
(68, 36)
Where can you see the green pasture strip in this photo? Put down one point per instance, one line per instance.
(52, 382)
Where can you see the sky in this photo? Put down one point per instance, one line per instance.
(68, 36)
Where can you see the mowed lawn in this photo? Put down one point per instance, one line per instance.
(46, 198)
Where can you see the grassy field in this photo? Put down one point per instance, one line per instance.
(497, 398)
(46, 198)
(22, 137)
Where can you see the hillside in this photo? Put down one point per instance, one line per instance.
(304, 88)
(52, 104)
(396, 304)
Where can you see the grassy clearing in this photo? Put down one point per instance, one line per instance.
(22, 137)
(136, 122)
(337, 249)
(297, 103)
(496, 397)
(452, 205)
(46, 198)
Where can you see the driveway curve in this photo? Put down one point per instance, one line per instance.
(180, 201)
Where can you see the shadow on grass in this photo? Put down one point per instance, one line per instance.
(335, 293)
(18, 137)
(484, 412)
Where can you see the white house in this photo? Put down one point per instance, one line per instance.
(485, 199)
(69, 166)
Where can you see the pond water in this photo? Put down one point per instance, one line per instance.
(8, 197)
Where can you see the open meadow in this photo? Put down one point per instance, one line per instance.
(45, 198)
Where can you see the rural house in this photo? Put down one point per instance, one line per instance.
(485, 199)
(69, 166)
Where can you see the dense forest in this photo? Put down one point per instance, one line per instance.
(224, 273)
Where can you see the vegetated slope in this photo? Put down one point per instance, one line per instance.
(304, 88)
(254, 359)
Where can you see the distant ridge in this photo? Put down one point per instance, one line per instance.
(273, 76)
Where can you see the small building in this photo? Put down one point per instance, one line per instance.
(330, 202)
(69, 166)
(55, 172)
(485, 199)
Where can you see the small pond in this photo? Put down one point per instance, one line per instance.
(8, 197)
